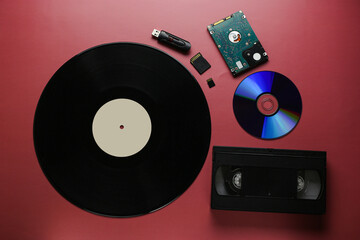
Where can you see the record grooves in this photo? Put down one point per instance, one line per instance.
(122, 75)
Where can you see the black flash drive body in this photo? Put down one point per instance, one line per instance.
(172, 40)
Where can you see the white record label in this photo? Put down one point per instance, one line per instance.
(121, 127)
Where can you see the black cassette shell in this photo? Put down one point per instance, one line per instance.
(122, 186)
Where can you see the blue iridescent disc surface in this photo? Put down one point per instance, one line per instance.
(284, 105)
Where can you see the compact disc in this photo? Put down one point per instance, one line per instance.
(267, 105)
(122, 129)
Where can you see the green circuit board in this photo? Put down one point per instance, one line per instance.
(237, 43)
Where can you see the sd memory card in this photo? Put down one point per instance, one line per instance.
(200, 63)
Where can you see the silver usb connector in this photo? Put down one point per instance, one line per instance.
(156, 33)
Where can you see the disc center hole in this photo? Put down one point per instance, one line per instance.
(122, 126)
(268, 104)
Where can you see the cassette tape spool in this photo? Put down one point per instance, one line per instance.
(260, 182)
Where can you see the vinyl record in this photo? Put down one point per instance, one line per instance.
(122, 129)
(267, 105)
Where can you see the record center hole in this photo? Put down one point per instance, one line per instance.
(121, 126)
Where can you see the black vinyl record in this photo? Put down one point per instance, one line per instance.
(122, 129)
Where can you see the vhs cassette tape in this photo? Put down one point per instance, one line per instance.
(268, 180)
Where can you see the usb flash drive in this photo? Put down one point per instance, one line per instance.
(171, 40)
